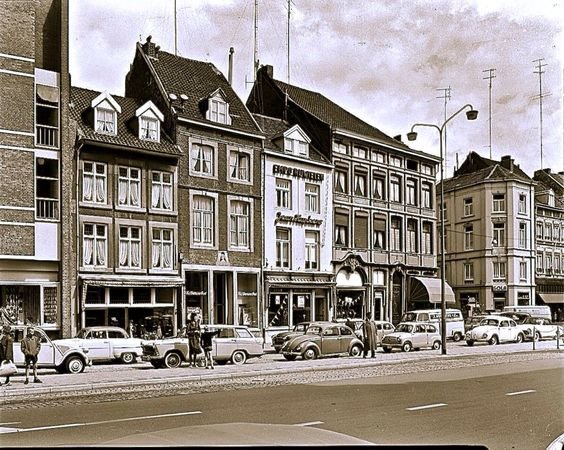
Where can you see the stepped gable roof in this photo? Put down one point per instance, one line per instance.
(476, 169)
(273, 127)
(126, 137)
(335, 116)
(198, 80)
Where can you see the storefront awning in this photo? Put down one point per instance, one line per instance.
(427, 289)
(131, 281)
(551, 298)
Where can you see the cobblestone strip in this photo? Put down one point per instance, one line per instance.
(251, 380)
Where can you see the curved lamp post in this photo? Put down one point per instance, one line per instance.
(471, 114)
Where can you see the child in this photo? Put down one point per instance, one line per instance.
(207, 344)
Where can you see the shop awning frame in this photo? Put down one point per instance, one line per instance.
(429, 289)
(550, 298)
(132, 281)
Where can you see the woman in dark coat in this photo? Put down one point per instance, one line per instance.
(7, 348)
(194, 333)
(370, 335)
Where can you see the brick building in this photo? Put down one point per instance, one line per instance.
(34, 93)
(220, 218)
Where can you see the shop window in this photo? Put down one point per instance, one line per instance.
(119, 295)
(141, 295)
(163, 295)
(301, 308)
(95, 295)
(278, 310)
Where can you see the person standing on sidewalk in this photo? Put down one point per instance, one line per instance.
(370, 336)
(207, 345)
(31, 344)
(7, 348)
(194, 333)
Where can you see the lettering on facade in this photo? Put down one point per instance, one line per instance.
(499, 287)
(297, 219)
(246, 294)
(298, 173)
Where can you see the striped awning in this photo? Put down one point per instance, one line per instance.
(428, 289)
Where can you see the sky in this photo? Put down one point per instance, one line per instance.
(389, 62)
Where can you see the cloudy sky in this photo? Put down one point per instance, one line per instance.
(389, 62)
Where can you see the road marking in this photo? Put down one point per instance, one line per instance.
(530, 391)
(307, 424)
(100, 422)
(435, 405)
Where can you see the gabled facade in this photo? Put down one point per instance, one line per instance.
(298, 227)
(219, 183)
(549, 239)
(383, 202)
(126, 174)
(489, 227)
(34, 95)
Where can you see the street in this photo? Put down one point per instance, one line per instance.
(513, 405)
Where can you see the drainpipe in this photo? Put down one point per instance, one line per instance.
(77, 240)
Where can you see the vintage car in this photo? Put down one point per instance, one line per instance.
(518, 317)
(473, 321)
(494, 329)
(323, 339)
(106, 343)
(412, 335)
(383, 327)
(538, 328)
(279, 339)
(233, 343)
(63, 357)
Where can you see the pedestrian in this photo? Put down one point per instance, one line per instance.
(159, 332)
(349, 323)
(31, 344)
(7, 348)
(207, 345)
(194, 333)
(370, 336)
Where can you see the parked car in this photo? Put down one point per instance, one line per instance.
(357, 324)
(323, 339)
(494, 329)
(384, 328)
(279, 339)
(63, 357)
(106, 343)
(473, 321)
(518, 317)
(454, 320)
(412, 335)
(532, 310)
(233, 343)
(538, 328)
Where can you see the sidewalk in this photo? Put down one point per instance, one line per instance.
(104, 377)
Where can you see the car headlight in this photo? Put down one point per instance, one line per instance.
(468, 335)
(484, 335)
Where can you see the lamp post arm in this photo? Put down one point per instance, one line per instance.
(430, 125)
(468, 105)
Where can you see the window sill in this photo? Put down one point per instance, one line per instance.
(94, 269)
(164, 212)
(83, 204)
(129, 208)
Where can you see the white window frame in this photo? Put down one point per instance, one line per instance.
(235, 159)
(218, 110)
(312, 250)
(312, 198)
(468, 207)
(498, 202)
(149, 129)
(426, 195)
(522, 235)
(395, 188)
(199, 220)
(522, 208)
(159, 187)
(283, 193)
(498, 234)
(523, 270)
(126, 246)
(283, 258)
(427, 238)
(499, 270)
(97, 242)
(469, 237)
(240, 225)
(129, 181)
(469, 272)
(396, 234)
(360, 180)
(341, 181)
(161, 244)
(202, 152)
(106, 121)
(96, 178)
(411, 237)
(411, 192)
(339, 147)
(378, 186)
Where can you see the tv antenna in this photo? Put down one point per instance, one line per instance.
(541, 95)
(255, 44)
(490, 76)
(446, 97)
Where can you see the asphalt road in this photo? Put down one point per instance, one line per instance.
(517, 405)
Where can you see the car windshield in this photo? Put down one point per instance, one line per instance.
(533, 321)
(314, 330)
(410, 316)
(81, 334)
(491, 322)
(404, 328)
(301, 326)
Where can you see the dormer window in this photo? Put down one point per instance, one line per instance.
(106, 110)
(296, 142)
(218, 108)
(150, 119)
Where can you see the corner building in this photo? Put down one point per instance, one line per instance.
(219, 183)
(384, 220)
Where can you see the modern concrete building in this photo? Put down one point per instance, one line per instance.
(489, 227)
(549, 238)
(384, 252)
(34, 95)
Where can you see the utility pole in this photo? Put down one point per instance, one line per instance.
(175, 32)
(446, 97)
(540, 71)
(490, 77)
(289, 13)
(255, 59)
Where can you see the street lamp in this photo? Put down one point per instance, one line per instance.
(471, 114)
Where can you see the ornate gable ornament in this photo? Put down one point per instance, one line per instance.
(351, 263)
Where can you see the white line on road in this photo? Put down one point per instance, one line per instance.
(435, 405)
(307, 424)
(70, 425)
(530, 391)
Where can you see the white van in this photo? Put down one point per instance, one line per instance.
(533, 310)
(454, 320)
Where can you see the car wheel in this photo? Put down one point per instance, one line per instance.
(75, 365)
(356, 350)
(494, 340)
(239, 357)
(406, 346)
(310, 353)
(457, 337)
(128, 358)
(387, 349)
(519, 338)
(437, 345)
(157, 364)
(470, 343)
(290, 357)
(172, 360)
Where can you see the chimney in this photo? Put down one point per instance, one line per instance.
(507, 162)
(230, 73)
(150, 49)
(269, 70)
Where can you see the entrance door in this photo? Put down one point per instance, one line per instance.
(397, 287)
(220, 296)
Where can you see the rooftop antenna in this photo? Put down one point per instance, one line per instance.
(255, 44)
(540, 71)
(490, 77)
(289, 13)
(175, 32)
(446, 97)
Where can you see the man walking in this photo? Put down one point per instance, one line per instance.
(370, 336)
(31, 344)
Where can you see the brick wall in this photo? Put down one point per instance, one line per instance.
(17, 174)
(17, 111)
(17, 23)
(17, 240)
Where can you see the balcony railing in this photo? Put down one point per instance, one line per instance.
(47, 135)
(47, 209)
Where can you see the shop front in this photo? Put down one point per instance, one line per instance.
(351, 294)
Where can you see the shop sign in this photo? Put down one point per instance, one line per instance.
(301, 301)
(297, 219)
(246, 294)
(298, 173)
(499, 287)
